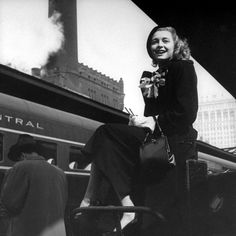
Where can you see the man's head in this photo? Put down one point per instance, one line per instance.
(25, 144)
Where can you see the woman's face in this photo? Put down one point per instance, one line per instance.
(162, 45)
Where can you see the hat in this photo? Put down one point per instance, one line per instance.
(149, 40)
(25, 143)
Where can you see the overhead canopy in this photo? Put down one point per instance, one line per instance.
(211, 33)
(19, 84)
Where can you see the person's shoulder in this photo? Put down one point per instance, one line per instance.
(25, 164)
(18, 164)
(181, 63)
(181, 66)
(18, 167)
(58, 170)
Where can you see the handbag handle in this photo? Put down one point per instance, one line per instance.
(157, 124)
(162, 134)
(149, 133)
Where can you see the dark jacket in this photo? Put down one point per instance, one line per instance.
(177, 103)
(35, 195)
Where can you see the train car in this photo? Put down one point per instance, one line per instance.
(60, 133)
(63, 122)
(220, 190)
(63, 134)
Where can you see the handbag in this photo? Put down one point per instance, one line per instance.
(156, 150)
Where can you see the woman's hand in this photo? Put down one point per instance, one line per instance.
(142, 121)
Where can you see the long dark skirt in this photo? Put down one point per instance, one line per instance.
(114, 149)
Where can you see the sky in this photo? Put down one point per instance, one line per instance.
(111, 39)
(27, 35)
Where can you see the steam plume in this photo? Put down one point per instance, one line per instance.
(27, 36)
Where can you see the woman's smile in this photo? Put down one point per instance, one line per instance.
(162, 45)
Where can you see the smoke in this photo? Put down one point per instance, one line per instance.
(27, 36)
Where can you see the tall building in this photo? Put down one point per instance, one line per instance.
(91, 83)
(64, 70)
(67, 57)
(216, 120)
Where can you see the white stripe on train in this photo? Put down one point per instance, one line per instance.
(50, 138)
(66, 172)
(41, 136)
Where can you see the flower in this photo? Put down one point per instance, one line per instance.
(150, 86)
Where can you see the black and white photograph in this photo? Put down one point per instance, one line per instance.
(117, 118)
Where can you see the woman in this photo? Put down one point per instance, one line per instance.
(170, 94)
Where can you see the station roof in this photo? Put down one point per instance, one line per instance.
(210, 30)
(19, 84)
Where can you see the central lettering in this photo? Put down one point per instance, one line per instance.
(20, 121)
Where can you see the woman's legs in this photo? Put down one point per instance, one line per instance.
(93, 186)
(127, 216)
(91, 191)
(115, 151)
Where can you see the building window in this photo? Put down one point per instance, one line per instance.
(212, 116)
(232, 115)
(218, 114)
(225, 115)
(206, 116)
(200, 116)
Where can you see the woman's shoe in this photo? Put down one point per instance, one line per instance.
(130, 221)
(85, 202)
(128, 226)
(110, 233)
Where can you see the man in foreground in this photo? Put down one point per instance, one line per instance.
(34, 192)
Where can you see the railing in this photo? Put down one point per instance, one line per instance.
(117, 210)
(209, 153)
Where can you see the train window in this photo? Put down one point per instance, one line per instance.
(51, 161)
(73, 165)
(49, 151)
(76, 158)
(1, 147)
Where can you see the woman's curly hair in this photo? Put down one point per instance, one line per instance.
(181, 47)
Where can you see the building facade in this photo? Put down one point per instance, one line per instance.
(216, 121)
(64, 70)
(88, 82)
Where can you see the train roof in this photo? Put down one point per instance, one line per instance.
(21, 116)
(19, 84)
(216, 152)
